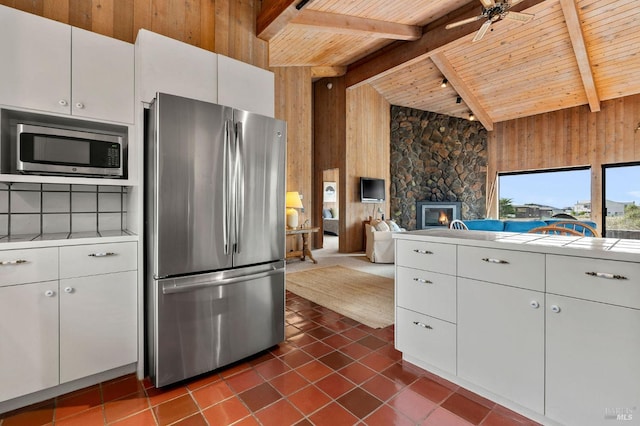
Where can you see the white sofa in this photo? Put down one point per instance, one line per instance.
(379, 245)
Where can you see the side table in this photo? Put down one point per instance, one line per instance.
(306, 234)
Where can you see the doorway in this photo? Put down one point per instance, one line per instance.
(330, 210)
(621, 200)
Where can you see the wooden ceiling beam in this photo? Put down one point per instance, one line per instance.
(274, 16)
(321, 72)
(570, 11)
(353, 25)
(434, 36)
(462, 89)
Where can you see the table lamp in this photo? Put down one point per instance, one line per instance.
(293, 202)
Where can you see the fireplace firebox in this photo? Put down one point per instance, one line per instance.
(430, 214)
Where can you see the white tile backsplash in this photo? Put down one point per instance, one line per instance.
(83, 222)
(25, 224)
(54, 223)
(58, 209)
(56, 202)
(109, 202)
(84, 202)
(24, 202)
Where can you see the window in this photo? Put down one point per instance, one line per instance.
(545, 193)
(621, 200)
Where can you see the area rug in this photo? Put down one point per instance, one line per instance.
(366, 298)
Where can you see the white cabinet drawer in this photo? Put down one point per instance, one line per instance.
(606, 281)
(427, 256)
(427, 338)
(514, 268)
(78, 261)
(28, 265)
(425, 292)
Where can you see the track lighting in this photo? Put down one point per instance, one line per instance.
(472, 117)
(444, 83)
(458, 99)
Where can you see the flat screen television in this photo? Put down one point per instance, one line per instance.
(372, 190)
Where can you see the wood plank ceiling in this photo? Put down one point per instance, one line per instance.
(574, 52)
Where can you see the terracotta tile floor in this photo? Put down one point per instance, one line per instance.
(330, 371)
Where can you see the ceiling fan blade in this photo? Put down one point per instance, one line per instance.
(514, 2)
(463, 22)
(517, 16)
(482, 31)
(488, 4)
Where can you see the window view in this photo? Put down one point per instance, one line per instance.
(542, 195)
(622, 195)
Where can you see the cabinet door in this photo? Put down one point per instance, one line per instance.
(36, 58)
(160, 67)
(28, 338)
(98, 324)
(244, 86)
(592, 375)
(501, 340)
(102, 69)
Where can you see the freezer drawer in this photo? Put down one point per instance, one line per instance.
(208, 321)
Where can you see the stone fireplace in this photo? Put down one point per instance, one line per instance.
(430, 214)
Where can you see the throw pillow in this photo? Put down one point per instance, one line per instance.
(334, 213)
(382, 226)
(326, 214)
(393, 226)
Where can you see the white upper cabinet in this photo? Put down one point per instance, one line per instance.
(103, 76)
(245, 86)
(50, 66)
(171, 66)
(36, 61)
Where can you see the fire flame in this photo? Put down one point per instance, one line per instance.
(443, 219)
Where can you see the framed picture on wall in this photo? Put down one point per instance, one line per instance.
(329, 192)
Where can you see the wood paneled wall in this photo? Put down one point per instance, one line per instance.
(565, 138)
(367, 154)
(222, 26)
(329, 144)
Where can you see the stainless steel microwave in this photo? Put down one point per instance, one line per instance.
(55, 151)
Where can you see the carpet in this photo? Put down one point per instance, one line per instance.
(366, 298)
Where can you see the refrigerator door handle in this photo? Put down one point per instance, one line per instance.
(239, 208)
(226, 182)
(217, 283)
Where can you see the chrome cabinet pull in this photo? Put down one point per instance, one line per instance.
(422, 281)
(423, 325)
(607, 275)
(423, 251)
(104, 254)
(498, 261)
(49, 293)
(13, 262)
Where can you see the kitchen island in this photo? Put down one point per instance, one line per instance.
(546, 325)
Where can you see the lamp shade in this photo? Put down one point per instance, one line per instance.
(293, 200)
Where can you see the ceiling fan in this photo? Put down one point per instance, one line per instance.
(492, 11)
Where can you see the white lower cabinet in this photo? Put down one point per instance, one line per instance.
(593, 351)
(501, 340)
(28, 338)
(97, 324)
(80, 322)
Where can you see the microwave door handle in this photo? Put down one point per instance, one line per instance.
(239, 210)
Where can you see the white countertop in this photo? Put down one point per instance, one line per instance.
(601, 248)
(65, 239)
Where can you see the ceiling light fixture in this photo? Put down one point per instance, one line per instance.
(458, 99)
(472, 117)
(444, 83)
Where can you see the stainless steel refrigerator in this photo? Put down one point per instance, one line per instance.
(215, 236)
